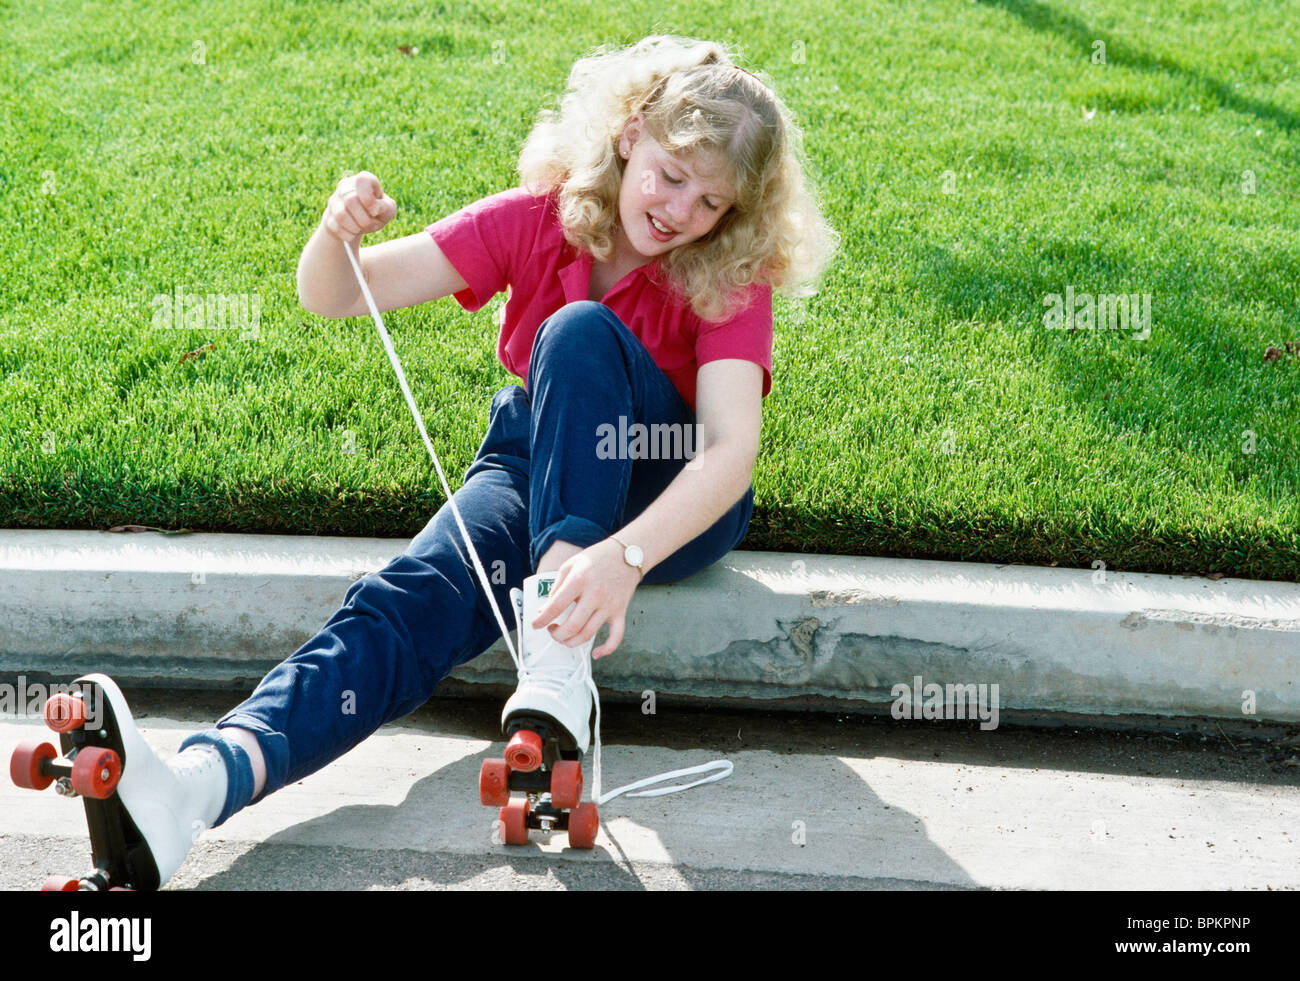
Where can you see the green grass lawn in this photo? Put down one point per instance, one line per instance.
(976, 157)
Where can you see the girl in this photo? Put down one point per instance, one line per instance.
(657, 210)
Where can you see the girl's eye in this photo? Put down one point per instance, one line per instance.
(711, 207)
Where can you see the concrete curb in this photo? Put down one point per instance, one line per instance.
(778, 629)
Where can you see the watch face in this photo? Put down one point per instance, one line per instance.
(633, 555)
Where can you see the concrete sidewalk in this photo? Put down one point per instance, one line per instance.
(814, 803)
(209, 610)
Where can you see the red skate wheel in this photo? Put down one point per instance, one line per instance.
(63, 712)
(95, 772)
(584, 822)
(524, 751)
(60, 883)
(514, 818)
(566, 784)
(25, 765)
(493, 783)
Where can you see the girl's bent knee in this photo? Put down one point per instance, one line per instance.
(580, 323)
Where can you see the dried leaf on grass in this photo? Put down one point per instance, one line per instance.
(164, 531)
(198, 352)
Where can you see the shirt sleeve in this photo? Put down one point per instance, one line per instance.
(746, 335)
(481, 241)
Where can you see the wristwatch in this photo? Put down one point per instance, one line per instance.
(633, 556)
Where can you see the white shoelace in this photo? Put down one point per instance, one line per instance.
(567, 676)
(723, 768)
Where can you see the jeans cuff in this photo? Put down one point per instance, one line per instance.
(274, 746)
(239, 770)
(577, 531)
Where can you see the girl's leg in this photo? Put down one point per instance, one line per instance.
(400, 630)
(589, 372)
(590, 381)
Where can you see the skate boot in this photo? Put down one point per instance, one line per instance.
(547, 723)
(143, 813)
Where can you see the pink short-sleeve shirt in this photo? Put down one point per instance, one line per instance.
(514, 239)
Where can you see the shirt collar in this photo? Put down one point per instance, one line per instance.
(576, 276)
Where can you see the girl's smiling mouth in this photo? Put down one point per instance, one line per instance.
(659, 236)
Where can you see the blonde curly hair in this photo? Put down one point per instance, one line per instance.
(694, 98)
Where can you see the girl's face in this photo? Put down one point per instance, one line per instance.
(687, 195)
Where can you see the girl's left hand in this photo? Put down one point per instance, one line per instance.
(602, 584)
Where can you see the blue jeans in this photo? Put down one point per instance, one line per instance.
(538, 477)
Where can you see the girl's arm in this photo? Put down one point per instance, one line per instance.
(400, 273)
(728, 403)
(728, 410)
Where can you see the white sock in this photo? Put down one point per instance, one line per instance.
(201, 773)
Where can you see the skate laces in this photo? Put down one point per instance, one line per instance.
(575, 669)
(717, 769)
(419, 422)
(548, 671)
(720, 768)
(561, 674)
(541, 667)
(194, 760)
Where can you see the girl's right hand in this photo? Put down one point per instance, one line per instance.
(358, 207)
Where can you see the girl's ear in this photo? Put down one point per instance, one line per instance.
(631, 135)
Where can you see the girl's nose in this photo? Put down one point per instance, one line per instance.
(679, 211)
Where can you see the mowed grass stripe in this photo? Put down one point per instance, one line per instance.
(976, 158)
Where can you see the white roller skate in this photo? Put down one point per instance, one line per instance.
(547, 722)
(143, 813)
